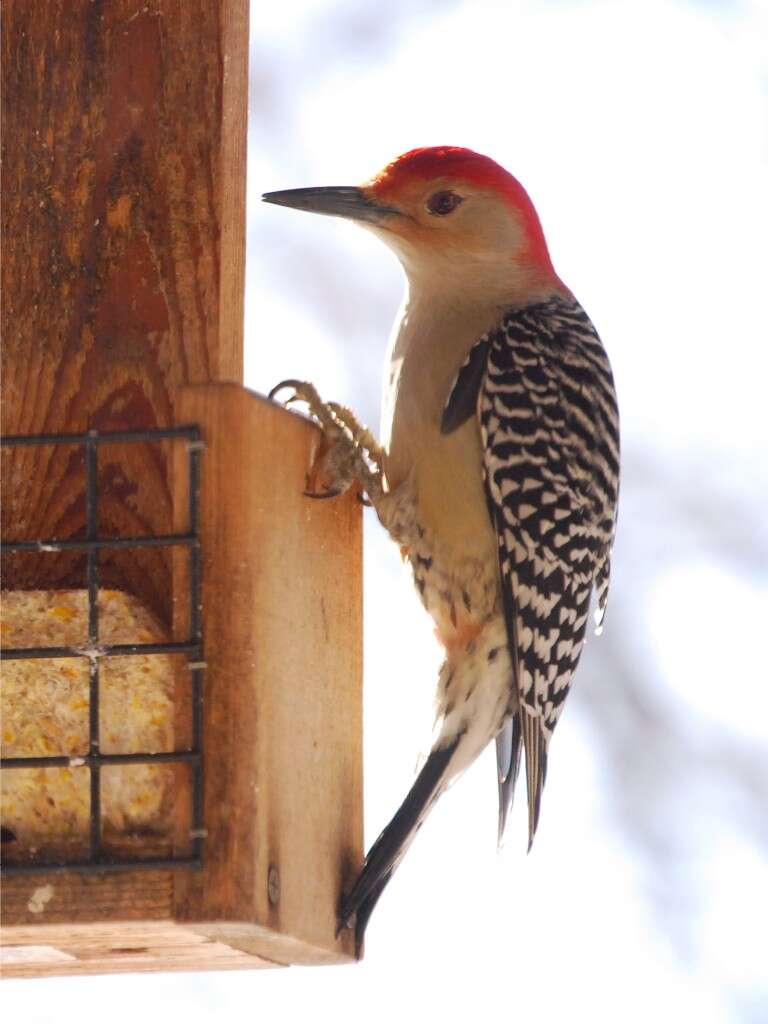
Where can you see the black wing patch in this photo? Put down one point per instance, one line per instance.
(462, 401)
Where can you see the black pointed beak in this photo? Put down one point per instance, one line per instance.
(342, 201)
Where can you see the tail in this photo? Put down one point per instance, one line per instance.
(525, 727)
(535, 768)
(389, 849)
(508, 764)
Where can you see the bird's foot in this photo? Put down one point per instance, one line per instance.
(349, 452)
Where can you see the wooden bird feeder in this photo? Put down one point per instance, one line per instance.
(181, 731)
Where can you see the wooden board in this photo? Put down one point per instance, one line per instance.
(282, 640)
(115, 948)
(52, 899)
(123, 236)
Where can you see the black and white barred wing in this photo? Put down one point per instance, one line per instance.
(549, 431)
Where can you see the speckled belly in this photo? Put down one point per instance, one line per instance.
(460, 591)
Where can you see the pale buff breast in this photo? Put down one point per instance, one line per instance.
(436, 480)
(429, 345)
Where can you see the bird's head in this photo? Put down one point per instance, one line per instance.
(447, 212)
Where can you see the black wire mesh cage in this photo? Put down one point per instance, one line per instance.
(102, 729)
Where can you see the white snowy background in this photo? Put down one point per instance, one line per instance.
(640, 131)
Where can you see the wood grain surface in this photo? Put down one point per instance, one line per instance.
(116, 948)
(123, 234)
(283, 701)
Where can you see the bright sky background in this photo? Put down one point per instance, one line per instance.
(639, 128)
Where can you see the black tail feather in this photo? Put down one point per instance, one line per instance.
(535, 768)
(508, 751)
(387, 852)
(364, 911)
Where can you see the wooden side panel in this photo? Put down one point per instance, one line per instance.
(283, 712)
(42, 900)
(123, 234)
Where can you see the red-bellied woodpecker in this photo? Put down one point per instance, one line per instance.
(498, 468)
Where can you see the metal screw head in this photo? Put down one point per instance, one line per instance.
(273, 885)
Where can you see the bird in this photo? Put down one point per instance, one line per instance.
(496, 472)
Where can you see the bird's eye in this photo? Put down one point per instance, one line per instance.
(442, 203)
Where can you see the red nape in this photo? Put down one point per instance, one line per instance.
(464, 165)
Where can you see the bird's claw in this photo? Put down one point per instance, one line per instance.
(303, 391)
(349, 451)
